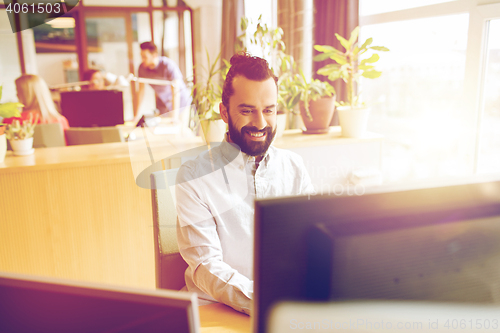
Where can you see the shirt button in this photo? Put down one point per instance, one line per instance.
(241, 167)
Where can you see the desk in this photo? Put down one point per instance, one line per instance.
(220, 318)
(77, 213)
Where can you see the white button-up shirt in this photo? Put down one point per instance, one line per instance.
(215, 205)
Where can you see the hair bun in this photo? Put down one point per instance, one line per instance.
(240, 57)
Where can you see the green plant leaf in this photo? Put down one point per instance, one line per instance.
(1, 88)
(379, 48)
(322, 56)
(244, 24)
(293, 101)
(8, 110)
(328, 69)
(366, 43)
(374, 58)
(334, 75)
(365, 67)
(340, 59)
(354, 36)
(326, 49)
(371, 74)
(345, 43)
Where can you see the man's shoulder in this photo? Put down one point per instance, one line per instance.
(200, 166)
(167, 62)
(285, 155)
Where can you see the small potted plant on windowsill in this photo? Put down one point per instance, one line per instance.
(317, 103)
(20, 135)
(7, 110)
(350, 66)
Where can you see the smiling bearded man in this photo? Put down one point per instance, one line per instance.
(215, 193)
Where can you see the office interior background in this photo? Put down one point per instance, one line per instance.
(437, 102)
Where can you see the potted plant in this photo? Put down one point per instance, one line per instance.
(207, 96)
(7, 110)
(350, 66)
(20, 136)
(316, 100)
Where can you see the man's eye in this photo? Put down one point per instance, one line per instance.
(246, 111)
(268, 111)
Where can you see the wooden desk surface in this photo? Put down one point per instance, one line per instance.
(220, 318)
(162, 146)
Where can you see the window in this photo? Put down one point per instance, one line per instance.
(426, 103)
(489, 143)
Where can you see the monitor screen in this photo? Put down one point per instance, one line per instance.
(92, 108)
(436, 244)
(42, 304)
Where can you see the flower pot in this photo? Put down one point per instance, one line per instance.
(22, 147)
(353, 121)
(280, 124)
(322, 112)
(3, 146)
(213, 130)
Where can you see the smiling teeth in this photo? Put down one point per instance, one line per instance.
(258, 134)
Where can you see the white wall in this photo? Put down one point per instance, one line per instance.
(50, 66)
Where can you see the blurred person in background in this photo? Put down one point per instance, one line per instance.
(96, 79)
(34, 94)
(161, 68)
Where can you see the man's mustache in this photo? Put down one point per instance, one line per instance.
(254, 129)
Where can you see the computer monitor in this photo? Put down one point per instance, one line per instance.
(42, 304)
(92, 108)
(437, 244)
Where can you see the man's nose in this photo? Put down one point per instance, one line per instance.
(259, 120)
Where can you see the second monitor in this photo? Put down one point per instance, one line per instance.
(92, 108)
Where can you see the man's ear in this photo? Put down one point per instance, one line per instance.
(223, 113)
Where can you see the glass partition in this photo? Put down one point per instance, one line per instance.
(10, 68)
(108, 51)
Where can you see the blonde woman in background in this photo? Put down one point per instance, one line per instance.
(34, 94)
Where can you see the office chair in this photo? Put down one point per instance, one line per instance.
(91, 135)
(48, 135)
(170, 266)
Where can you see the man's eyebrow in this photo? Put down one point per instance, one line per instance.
(243, 105)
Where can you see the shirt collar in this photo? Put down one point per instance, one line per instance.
(229, 151)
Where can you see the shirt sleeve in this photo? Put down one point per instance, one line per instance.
(140, 71)
(200, 246)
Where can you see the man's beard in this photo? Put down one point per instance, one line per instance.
(252, 148)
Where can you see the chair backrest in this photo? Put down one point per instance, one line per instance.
(170, 266)
(48, 135)
(90, 135)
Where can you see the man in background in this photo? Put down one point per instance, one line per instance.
(161, 68)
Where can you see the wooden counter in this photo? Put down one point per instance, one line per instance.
(76, 212)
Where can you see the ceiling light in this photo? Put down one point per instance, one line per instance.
(62, 22)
